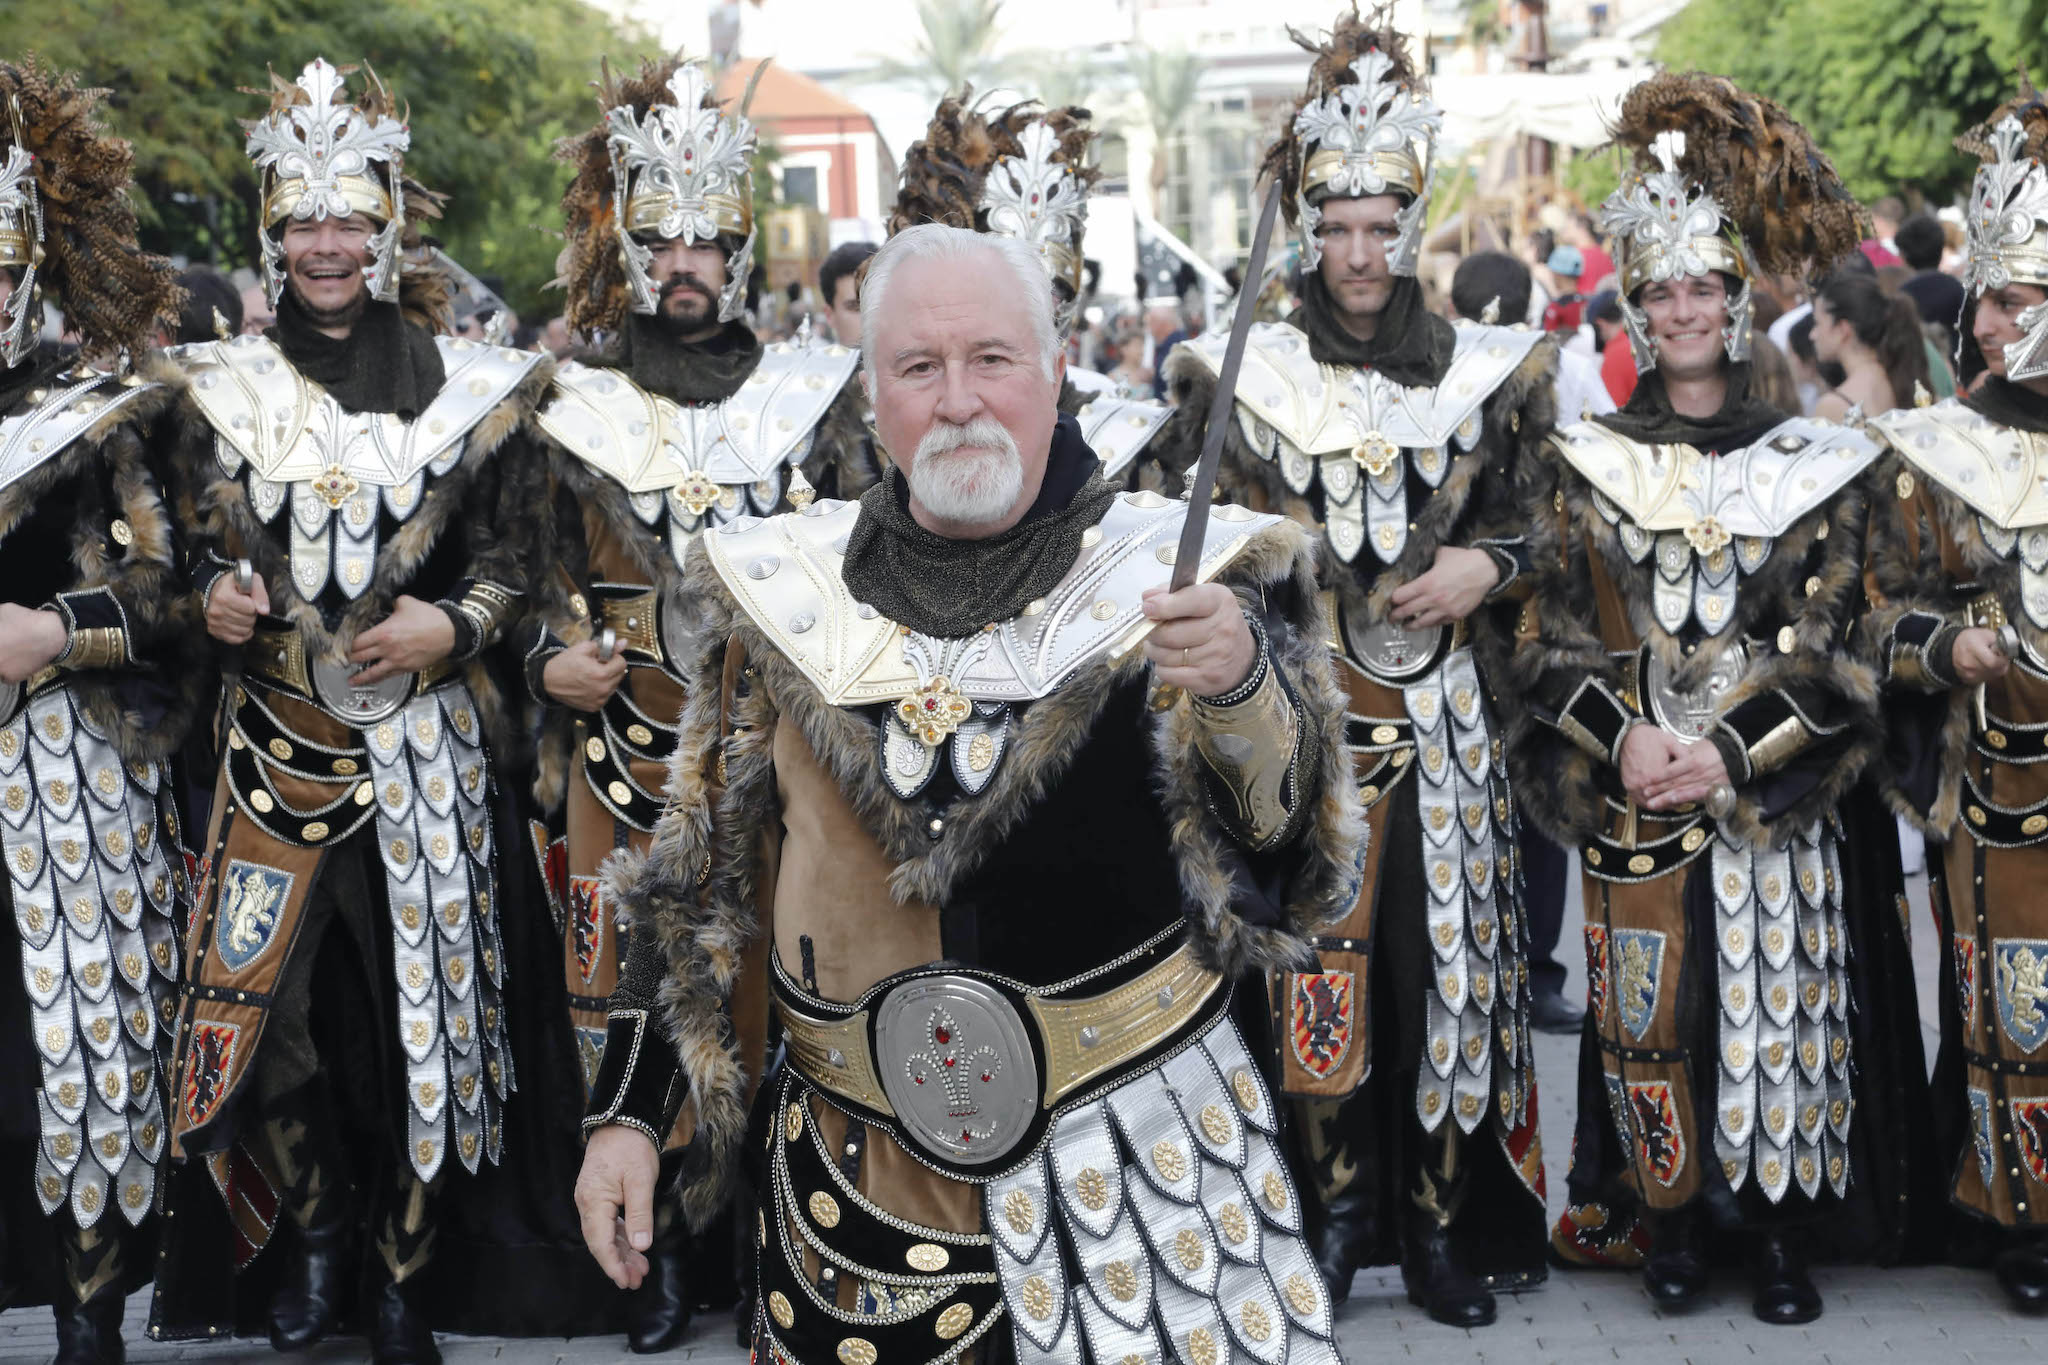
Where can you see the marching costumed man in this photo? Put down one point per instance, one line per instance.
(1961, 544)
(685, 422)
(1398, 435)
(95, 695)
(360, 504)
(1700, 720)
(1000, 883)
(1025, 172)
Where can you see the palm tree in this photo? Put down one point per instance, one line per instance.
(1166, 81)
(954, 48)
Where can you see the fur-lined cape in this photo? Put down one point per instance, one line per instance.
(114, 293)
(1777, 189)
(694, 891)
(944, 171)
(426, 292)
(591, 271)
(1348, 40)
(2032, 112)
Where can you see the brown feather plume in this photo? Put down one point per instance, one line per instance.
(114, 293)
(1775, 187)
(592, 271)
(943, 172)
(2031, 111)
(1348, 40)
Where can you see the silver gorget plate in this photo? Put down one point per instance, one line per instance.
(1690, 713)
(356, 702)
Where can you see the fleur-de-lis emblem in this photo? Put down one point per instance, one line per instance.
(933, 712)
(953, 1065)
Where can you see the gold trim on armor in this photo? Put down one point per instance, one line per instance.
(632, 618)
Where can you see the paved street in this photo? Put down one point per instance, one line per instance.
(1873, 1316)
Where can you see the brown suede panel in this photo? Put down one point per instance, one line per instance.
(832, 884)
(895, 1181)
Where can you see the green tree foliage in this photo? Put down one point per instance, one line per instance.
(492, 84)
(1884, 87)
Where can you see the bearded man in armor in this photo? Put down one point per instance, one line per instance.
(1025, 172)
(684, 421)
(1406, 1046)
(1701, 713)
(96, 690)
(1001, 821)
(355, 490)
(1961, 553)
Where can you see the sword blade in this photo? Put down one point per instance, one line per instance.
(1188, 558)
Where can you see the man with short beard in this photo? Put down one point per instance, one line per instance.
(97, 685)
(353, 487)
(1000, 869)
(1958, 544)
(1398, 436)
(684, 421)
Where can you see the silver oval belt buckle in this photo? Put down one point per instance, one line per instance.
(1690, 713)
(1395, 651)
(956, 1063)
(359, 703)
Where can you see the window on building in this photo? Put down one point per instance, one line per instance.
(800, 186)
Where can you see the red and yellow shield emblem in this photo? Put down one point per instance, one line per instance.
(1321, 1014)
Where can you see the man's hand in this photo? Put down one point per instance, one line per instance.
(577, 679)
(1202, 644)
(615, 1199)
(414, 635)
(1697, 771)
(1451, 591)
(29, 639)
(231, 613)
(1646, 757)
(1976, 658)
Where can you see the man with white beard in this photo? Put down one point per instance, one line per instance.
(996, 869)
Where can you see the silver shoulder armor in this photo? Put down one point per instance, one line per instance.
(74, 402)
(784, 572)
(1119, 429)
(1999, 471)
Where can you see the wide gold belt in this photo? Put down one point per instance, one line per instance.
(1082, 1039)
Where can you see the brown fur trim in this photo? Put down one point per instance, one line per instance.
(705, 927)
(2031, 111)
(945, 170)
(1348, 39)
(114, 293)
(1778, 190)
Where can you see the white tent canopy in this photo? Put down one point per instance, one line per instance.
(1572, 109)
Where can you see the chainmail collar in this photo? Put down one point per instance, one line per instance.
(950, 588)
(708, 371)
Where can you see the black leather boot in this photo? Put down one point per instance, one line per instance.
(406, 1232)
(398, 1334)
(1785, 1296)
(658, 1313)
(309, 1300)
(1343, 1240)
(1436, 1282)
(1675, 1271)
(89, 1304)
(2022, 1271)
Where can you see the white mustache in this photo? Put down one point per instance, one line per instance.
(985, 432)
